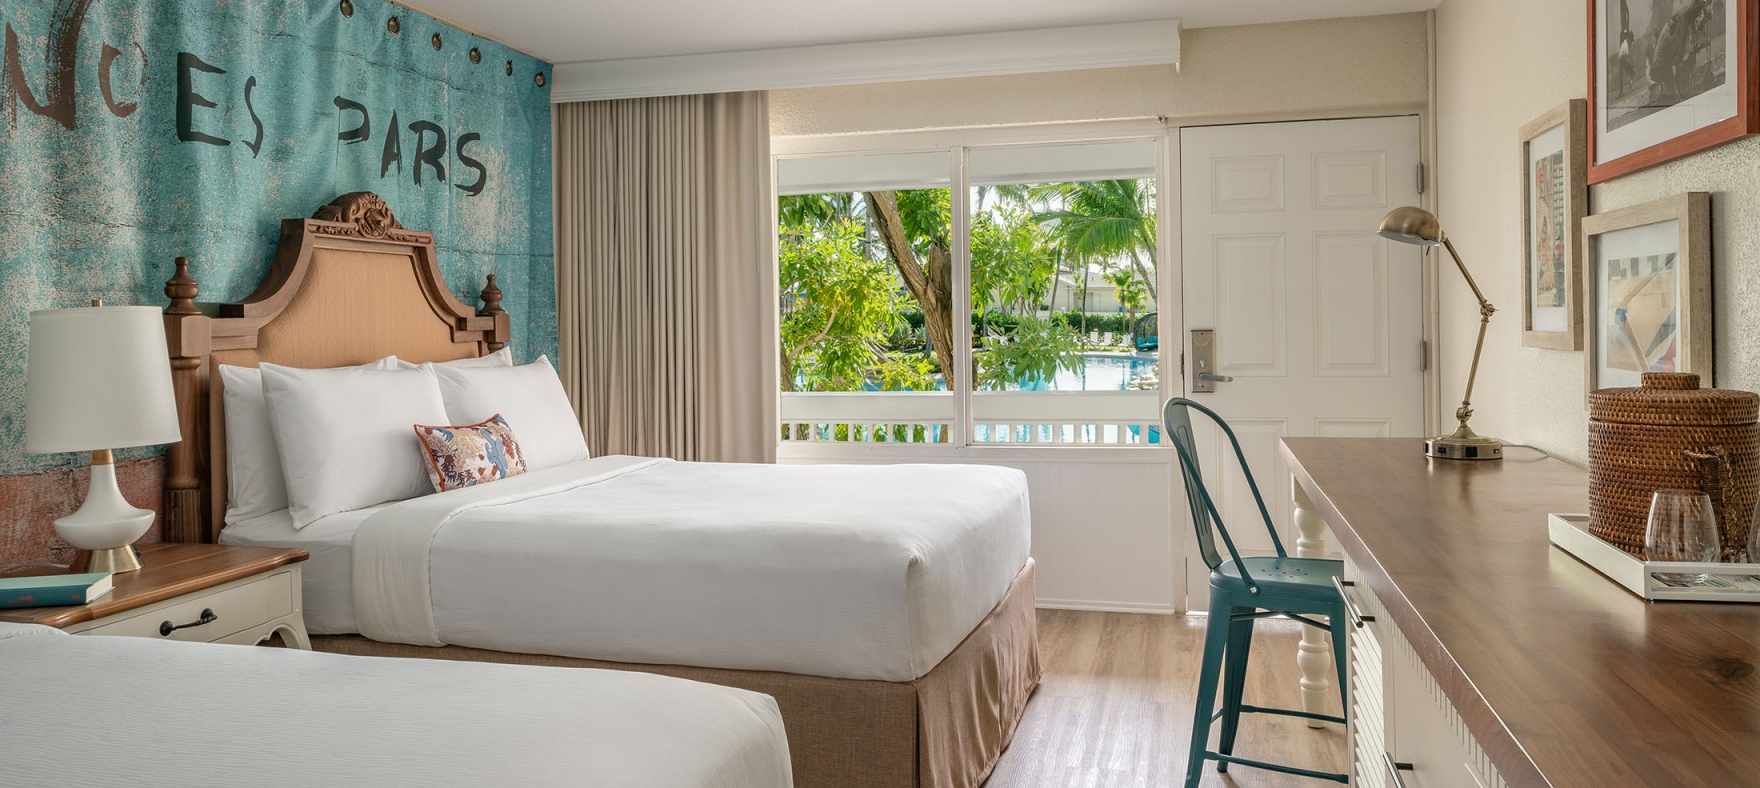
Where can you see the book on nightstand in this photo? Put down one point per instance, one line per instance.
(52, 590)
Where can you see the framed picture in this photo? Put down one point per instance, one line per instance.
(1647, 292)
(1555, 197)
(1668, 78)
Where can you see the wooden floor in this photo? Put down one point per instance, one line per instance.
(1115, 707)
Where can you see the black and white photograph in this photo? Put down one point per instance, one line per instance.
(1667, 78)
(1668, 51)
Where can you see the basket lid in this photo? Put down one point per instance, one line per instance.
(1673, 398)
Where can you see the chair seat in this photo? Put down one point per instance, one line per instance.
(1282, 578)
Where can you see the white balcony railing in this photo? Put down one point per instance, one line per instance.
(1115, 418)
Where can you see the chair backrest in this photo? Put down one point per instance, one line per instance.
(1176, 425)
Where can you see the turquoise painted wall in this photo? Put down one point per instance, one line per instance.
(135, 131)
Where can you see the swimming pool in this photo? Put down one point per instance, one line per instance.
(1099, 372)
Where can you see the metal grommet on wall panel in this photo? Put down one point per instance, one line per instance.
(392, 26)
(347, 8)
(436, 40)
(476, 55)
(539, 79)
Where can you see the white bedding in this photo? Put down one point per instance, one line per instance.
(328, 576)
(857, 572)
(103, 711)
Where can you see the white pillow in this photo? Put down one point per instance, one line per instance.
(346, 435)
(499, 358)
(529, 397)
(254, 483)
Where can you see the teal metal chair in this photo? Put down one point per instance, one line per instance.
(1242, 591)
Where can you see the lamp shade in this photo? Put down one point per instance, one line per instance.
(99, 378)
(1412, 225)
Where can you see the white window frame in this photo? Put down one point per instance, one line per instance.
(958, 144)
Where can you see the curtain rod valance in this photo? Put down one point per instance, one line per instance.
(1154, 42)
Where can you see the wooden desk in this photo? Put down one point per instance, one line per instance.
(1564, 678)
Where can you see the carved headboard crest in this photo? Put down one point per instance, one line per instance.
(369, 216)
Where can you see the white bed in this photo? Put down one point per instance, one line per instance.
(872, 573)
(103, 711)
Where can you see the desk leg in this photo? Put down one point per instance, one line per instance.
(1314, 655)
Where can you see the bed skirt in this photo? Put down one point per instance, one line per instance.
(944, 730)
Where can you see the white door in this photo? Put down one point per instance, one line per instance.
(1317, 319)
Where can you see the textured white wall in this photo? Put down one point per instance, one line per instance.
(1366, 64)
(1500, 64)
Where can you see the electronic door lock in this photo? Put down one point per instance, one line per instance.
(1204, 380)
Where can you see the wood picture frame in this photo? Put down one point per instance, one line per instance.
(1644, 311)
(1555, 198)
(1657, 93)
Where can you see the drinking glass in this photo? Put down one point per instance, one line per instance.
(1753, 554)
(1681, 527)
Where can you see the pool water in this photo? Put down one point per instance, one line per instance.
(1099, 372)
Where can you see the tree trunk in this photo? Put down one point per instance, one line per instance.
(931, 285)
(1148, 280)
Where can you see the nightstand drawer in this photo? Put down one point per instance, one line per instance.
(236, 606)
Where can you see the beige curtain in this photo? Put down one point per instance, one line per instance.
(665, 281)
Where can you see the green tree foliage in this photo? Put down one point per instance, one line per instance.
(839, 304)
(866, 281)
(1104, 220)
(1032, 352)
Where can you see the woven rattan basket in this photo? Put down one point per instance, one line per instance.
(1671, 434)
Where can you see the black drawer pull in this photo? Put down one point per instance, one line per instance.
(208, 617)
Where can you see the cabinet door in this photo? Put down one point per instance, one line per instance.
(1368, 734)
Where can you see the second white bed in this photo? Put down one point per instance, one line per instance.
(105, 711)
(870, 572)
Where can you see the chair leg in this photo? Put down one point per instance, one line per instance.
(1341, 638)
(1234, 679)
(1215, 641)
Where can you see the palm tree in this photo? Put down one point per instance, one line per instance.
(1102, 220)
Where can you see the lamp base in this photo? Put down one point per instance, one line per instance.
(111, 559)
(1463, 444)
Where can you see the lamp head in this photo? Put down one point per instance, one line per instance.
(1412, 225)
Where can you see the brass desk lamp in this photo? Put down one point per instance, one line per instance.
(1413, 225)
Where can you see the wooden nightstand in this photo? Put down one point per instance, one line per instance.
(245, 593)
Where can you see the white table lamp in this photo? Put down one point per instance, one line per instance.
(100, 379)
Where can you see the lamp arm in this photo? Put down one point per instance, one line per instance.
(1486, 310)
(1449, 245)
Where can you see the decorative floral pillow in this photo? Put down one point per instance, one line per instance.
(473, 454)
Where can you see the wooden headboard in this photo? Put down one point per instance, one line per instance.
(348, 286)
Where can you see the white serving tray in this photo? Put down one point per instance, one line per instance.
(1571, 533)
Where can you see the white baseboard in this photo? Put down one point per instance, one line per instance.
(1106, 607)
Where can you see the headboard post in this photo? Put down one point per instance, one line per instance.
(492, 308)
(189, 337)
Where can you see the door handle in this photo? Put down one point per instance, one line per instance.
(1204, 379)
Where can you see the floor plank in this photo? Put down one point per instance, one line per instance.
(1115, 707)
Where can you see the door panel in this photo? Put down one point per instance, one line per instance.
(1350, 293)
(1244, 184)
(1316, 317)
(1249, 304)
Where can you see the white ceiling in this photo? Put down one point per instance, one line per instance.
(568, 31)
